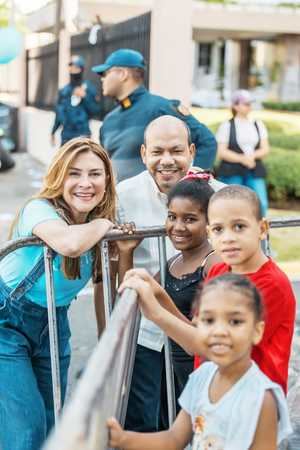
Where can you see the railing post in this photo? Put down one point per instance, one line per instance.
(121, 414)
(168, 356)
(107, 293)
(52, 325)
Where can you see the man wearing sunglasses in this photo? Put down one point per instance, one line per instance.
(122, 131)
(77, 103)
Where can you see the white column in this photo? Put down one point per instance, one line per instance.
(171, 53)
(64, 57)
(290, 80)
(232, 61)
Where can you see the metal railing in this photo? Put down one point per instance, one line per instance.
(102, 390)
(149, 232)
(52, 323)
(104, 387)
(125, 369)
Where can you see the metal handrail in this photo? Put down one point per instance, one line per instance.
(113, 235)
(105, 343)
(146, 232)
(103, 387)
(143, 232)
(283, 222)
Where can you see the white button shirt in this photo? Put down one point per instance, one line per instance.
(140, 201)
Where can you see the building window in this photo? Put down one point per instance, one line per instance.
(204, 56)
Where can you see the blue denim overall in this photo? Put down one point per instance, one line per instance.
(26, 400)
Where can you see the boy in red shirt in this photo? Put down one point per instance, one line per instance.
(236, 229)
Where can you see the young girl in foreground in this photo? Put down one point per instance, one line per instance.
(228, 403)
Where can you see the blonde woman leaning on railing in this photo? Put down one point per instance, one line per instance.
(71, 213)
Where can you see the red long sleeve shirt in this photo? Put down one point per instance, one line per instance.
(273, 352)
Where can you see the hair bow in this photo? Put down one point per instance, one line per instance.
(197, 176)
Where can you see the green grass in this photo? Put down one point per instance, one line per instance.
(285, 242)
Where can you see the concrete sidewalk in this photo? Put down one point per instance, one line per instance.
(16, 186)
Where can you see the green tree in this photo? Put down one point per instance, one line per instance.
(7, 15)
(4, 13)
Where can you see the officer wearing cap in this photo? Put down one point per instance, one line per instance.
(122, 131)
(77, 103)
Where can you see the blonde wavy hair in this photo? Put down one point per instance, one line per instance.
(52, 190)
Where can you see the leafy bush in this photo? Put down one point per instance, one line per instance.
(282, 106)
(283, 179)
(276, 127)
(214, 127)
(290, 142)
(283, 162)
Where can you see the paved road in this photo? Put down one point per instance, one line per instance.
(23, 181)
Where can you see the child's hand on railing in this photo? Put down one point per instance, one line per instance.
(116, 433)
(144, 275)
(147, 301)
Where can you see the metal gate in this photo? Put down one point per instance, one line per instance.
(133, 33)
(42, 62)
(42, 76)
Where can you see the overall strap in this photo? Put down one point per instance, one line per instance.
(258, 132)
(26, 284)
(233, 143)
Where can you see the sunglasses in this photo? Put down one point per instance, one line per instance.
(102, 75)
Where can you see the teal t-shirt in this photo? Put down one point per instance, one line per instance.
(15, 266)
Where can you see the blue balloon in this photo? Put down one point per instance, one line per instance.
(10, 44)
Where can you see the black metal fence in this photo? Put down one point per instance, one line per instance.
(42, 63)
(134, 34)
(42, 76)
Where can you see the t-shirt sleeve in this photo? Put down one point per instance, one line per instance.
(272, 353)
(222, 134)
(194, 388)
(262, 129)
(215, 270)
(185, 400)
(35, 212)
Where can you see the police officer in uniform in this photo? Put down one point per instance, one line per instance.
(77, 102)
(122, 131)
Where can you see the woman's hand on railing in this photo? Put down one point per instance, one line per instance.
(128, 245)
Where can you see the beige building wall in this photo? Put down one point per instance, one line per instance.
(64, 57)
(290, 78)
(171, 52)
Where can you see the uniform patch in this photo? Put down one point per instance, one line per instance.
(126, 103)
(183, 110)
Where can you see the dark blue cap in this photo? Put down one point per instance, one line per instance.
(77, 60)
(124, 57)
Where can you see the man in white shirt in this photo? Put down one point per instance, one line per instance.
(168, 154)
